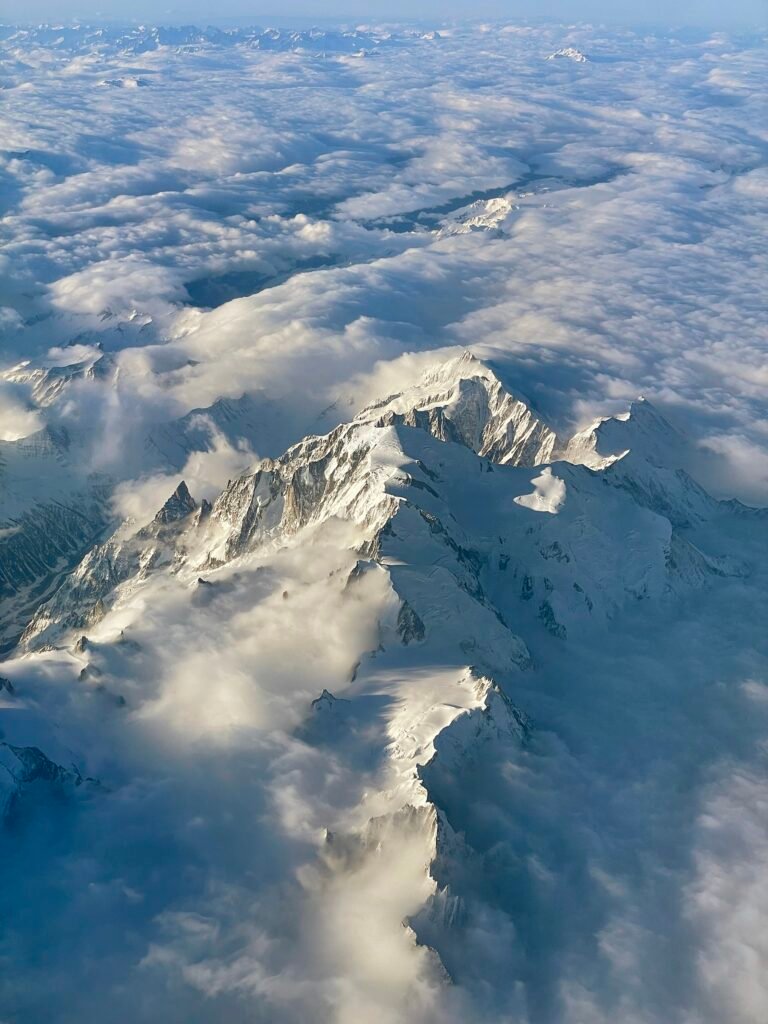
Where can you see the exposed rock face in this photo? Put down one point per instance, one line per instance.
(465, 402)
(87, 593)
(409, 625)
(415, 474)
(179, 506)
(21, 767)
(50, 515)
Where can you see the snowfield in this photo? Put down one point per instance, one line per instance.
(383, 526)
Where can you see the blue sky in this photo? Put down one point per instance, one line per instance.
(633, 11)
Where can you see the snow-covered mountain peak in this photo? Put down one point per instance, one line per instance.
(569, 53)
(482, 215)
(47, 384)
(642, 431)
(463, 400)
(433, 382)
(400, 475)
(642, 452)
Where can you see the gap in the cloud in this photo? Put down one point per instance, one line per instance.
(429, 215)
(212, 292)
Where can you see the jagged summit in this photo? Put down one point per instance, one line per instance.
(434, 384)
(463, 400)
(389, 474)
(178, 506)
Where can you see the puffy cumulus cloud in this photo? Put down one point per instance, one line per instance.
(125, 284)
(264, 642)
(351, 958)
(10, 319)
(18, 418)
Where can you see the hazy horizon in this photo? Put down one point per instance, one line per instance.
(688, 12)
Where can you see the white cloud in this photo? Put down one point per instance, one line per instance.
(18, 418)
(119, 286)
(743, 466)
(205, 472)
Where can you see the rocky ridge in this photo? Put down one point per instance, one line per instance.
(436, 506)
(494, 540)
